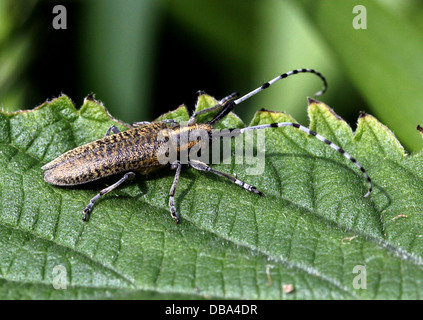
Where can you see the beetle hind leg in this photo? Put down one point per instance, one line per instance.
(89, 207)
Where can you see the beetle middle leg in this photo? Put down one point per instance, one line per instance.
(198, 165)
(87, 210)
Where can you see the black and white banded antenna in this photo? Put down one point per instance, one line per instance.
(283, 76)
(229, 104)
(321, 138)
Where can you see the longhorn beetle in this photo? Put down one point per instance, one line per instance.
(136, 149)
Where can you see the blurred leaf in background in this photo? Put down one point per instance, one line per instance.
(144, 58)
(120, 37)
(16, 37)
(384, 61)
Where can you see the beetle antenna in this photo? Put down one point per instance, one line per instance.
(321, 138)
(231, 104)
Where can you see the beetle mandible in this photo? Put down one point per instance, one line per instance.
(136, 150)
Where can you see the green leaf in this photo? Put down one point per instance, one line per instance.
(312, 229)
(383, 61)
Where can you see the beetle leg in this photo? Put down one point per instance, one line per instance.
(87, 210)
(113, 129)
(145, 123)
(141, 123)
(198, 165)
(170, 121)
(173, 213)
(217, 107)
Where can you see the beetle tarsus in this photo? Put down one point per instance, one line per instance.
(86, 213)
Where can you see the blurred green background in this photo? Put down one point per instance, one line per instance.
(144, 58)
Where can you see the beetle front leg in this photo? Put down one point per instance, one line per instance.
(172, 191)
(87, 210)
(218, 107)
